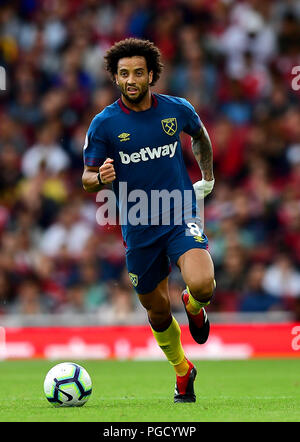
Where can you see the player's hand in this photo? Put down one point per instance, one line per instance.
(203, 188)
(107, 171)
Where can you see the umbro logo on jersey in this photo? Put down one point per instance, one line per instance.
(124, 136)
(146, 153)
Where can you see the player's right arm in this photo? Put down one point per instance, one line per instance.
(95, 150)
(94, 178)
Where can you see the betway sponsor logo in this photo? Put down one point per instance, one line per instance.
(146, 153)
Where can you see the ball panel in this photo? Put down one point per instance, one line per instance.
(84, 379)
(68, 393)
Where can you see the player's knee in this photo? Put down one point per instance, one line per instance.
(202, 288)
(157, 308)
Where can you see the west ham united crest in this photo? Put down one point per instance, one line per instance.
(169, 125)
(134, 279)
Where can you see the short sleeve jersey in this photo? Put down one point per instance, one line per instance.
(148, 161)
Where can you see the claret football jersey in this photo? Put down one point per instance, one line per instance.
(151, 177)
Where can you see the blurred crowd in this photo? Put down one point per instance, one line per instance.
(233, 60)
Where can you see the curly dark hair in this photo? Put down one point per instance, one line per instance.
(131, 47)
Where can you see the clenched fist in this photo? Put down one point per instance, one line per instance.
(107, 171)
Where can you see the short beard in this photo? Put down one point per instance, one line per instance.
(138, 99)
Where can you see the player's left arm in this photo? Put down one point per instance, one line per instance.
(203, 152)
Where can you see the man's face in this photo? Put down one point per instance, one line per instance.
(133, 78)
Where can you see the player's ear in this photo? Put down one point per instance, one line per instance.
(116, 80)
(150, 77)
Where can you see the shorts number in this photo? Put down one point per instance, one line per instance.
(194, 229)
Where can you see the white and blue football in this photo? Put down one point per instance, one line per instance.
(67, 385)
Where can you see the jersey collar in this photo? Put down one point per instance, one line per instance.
(127, 110)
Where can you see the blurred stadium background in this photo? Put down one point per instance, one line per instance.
(233, 61)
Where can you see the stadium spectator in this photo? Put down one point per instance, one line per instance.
(29, 299)
(231, 280)
(46, 152)
(282, 280)
(121, 304)
(75, 300)
(95, 291)
(68, 235)
(255, 297)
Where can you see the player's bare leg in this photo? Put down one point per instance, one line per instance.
(198, 273)
(157, 304)
(167, 333)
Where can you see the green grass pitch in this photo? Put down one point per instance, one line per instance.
(128, 391)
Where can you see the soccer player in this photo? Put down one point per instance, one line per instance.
(135, 140)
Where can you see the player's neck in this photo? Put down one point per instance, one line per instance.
(143, 105)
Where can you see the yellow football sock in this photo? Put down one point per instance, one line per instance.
(170, 343)
(194, 306)
(182, 368)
